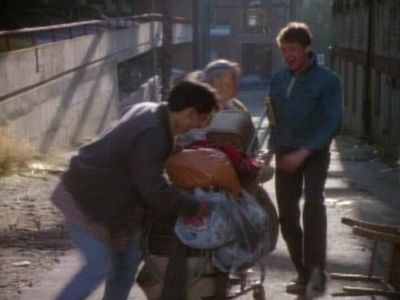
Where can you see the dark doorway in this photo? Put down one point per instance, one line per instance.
(256, 59)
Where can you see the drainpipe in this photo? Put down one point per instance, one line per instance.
(118, 8)
(154, 42)
(166, 48)
(201, 29)
(196, 29)
(288, 11)
(368, 65)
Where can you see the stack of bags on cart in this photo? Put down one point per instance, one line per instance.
(236, 231)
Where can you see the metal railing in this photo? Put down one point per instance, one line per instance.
(66, 31)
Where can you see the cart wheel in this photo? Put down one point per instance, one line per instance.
(258, 292)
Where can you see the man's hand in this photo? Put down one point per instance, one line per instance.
(292, 161)
(266, 157)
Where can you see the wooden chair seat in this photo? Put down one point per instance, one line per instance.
(390, 282)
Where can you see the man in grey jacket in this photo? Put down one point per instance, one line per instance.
(114, 179)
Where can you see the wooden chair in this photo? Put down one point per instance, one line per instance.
(389, 284)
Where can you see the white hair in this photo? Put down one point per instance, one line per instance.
(219, 68)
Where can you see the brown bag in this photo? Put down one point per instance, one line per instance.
(203, 167)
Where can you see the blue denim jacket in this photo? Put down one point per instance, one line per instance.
(307, 108)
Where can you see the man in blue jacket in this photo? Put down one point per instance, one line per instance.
(306, 103)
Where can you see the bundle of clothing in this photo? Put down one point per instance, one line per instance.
(236, 230)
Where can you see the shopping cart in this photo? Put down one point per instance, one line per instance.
(175, 271)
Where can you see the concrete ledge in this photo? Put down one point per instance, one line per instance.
(62, 93)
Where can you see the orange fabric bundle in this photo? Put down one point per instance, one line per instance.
(203, 168)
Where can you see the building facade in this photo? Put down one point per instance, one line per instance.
(245, 30)
(366, 53)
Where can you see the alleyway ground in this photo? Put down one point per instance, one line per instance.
(36, 257)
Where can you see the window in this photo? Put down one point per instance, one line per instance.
(132, 73)
(255, 17)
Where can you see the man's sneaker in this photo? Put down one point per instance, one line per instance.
(297, 287)
(316, 287)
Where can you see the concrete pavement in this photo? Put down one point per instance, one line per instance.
(358, 186)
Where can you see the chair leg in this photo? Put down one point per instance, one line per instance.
(364, 291)
(361, 277)
(389, 284)
(356, 277)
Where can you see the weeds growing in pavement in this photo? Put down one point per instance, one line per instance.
(14, 153)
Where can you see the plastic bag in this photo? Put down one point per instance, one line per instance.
(212, 231)
(252, 236)
(203, 168)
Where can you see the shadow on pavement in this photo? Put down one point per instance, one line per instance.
(55, 239)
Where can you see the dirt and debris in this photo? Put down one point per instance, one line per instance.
(32, 237)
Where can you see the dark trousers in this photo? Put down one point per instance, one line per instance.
(307, 243)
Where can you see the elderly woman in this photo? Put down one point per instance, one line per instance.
(223, 76)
